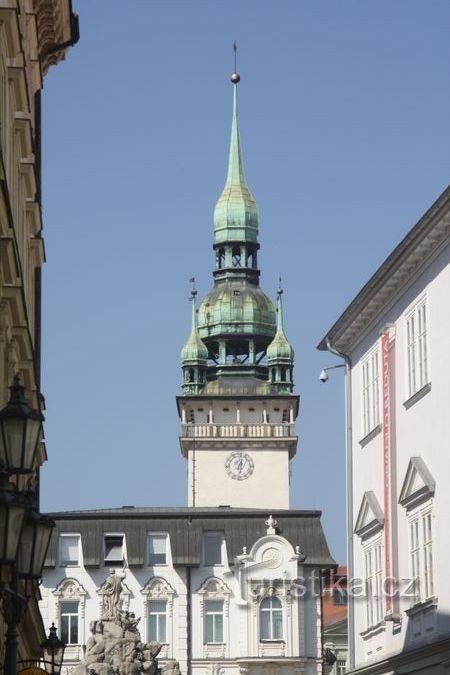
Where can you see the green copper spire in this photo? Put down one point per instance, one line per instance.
(279, 349)
(280, 355)
(194, 351)
(235, 215)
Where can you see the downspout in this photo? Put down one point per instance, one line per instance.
(349, 496)
(188, 622)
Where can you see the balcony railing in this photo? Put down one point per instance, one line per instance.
(263, 430)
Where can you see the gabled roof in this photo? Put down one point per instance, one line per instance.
(419, 245)
(370, 516)
(419, 484)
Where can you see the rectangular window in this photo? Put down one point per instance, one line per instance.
(421, 556)
(212, 546)
(371, 398)
(417, 348)
(213, 621)
(157, 620)
(69, 622)
(157, 549)
(114, 549)
(339, 596)
(374, 584)
(69, 550)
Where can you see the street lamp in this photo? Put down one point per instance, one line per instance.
(20, 431)
(33, 545)
(53, 649)
(24, 532)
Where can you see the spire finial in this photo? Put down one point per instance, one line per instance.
(235, 77)
(193, 289)
(280, 288)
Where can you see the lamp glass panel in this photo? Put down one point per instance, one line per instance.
(42, 540)
(13, 430)
(11, 518)
(33, 546)
(25, 553)
(32, 437)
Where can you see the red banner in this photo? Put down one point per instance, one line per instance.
(386, 467)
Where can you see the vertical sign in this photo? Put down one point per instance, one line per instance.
(386, 469)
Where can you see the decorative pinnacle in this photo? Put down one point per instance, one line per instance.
(235, 77)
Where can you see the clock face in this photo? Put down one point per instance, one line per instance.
(239, 465)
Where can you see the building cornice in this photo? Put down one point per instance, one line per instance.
(419, 245)
(54, 29)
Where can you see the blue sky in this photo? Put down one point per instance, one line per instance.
(344, 110)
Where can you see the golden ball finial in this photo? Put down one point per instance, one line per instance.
(235, 78)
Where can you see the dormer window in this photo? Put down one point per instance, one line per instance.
(212, 549)
(157, 549)
(114, 549)
(69, 550)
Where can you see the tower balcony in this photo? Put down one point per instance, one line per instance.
(280, 435)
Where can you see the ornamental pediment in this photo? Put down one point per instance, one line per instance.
(370, 516)
(418, 485)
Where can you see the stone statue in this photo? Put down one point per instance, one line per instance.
(114, 646)
(112, 589)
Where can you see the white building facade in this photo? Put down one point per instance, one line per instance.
(394, 339)
(215, 603)
(229, 585)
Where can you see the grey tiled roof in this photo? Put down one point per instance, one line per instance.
(241, 527)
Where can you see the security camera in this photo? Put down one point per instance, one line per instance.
(323, 377)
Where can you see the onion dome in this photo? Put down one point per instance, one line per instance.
(280, 350)
(236, 309)
(194, 351)
(235, 215)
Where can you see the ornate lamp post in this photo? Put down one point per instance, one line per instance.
(24, 532)
(20, 432)
(53, 649)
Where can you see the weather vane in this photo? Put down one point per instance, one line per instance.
(193, 289)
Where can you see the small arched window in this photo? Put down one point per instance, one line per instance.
(283, 374)
(221, 258)
(271, 619)
(191, 375)
(236, 256)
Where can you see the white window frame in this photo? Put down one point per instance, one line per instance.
(68, 563)
(370, 391)
(214, 613)
(70, 615)
(158, 614)
(271, 611)
(158, 588)
(70, 589)
(214, 588)
(417, 347)
(420, 539)
(114, 562)
(213, 535)
(159, 535)
(373, 574)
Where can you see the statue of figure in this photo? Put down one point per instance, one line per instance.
(171, 667)
(112, 589)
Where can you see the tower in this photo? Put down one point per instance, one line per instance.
(238, 408)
